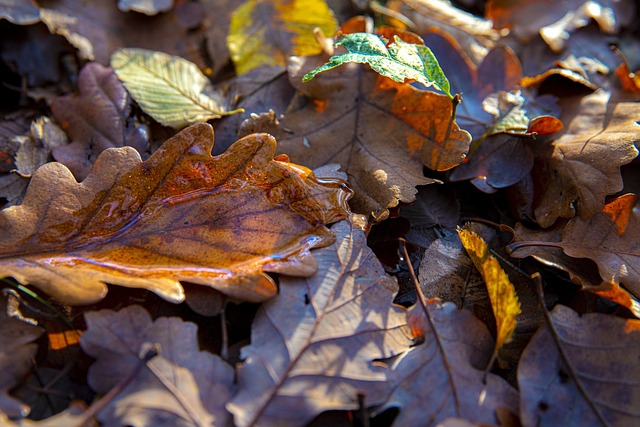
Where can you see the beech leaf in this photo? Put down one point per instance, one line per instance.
(181, 386)
(266, 33)
(399, 61)
(504, 300)
(170, 89)
(313, 347)
(598, 387)
(181, 215)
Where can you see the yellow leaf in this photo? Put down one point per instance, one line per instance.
(266, 33)
(502, 294)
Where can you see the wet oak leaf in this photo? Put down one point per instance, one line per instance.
(266, 33)
(381, 132)
(502, 294)
(600, 387)
(170, 89)
(95, 119)
(582, 166)
(182, 385)
(313, 347)
(442, 376)
(180, 215)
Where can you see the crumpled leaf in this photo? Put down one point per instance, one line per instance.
(582, 166)
(148, 7)
(603, 353)
(266, 33)
(504, 300)
(96, 119)
(399, 61)
(181, 386)
(312, 348)
(170, 89)
(441, 375)
(181, 215)
(16, 352)
(381, 132)
(20, 12)
(555, 21)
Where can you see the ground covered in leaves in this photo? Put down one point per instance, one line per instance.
(203, 224)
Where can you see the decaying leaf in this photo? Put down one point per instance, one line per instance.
(181, 215)
(148, 7)
(312, 348)
(170, 89)
(266, 33)
(95, 119)
(600, 384)
(582, 166)
(504, 300)
(16, 352)
(381, 132)
(399, 61)
(441, 376)
(181, 386)
(21, 12)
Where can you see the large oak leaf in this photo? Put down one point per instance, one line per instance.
(181, 215)
(181, 386)
(313, 347)
(380, 132)
(589, 376)
(582, 166)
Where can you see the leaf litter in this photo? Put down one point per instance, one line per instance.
(544, 128)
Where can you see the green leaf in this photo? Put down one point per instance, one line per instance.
(399, 62)
(170, 89)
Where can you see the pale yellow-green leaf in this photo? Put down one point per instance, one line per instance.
(170, 89)
(266, 33)
(502, 294)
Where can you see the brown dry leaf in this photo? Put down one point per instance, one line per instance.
(181, 386)
(181, 215)
(554, 21)
(98, 28)
(379, 131)
(600, 384)
(16, 352)
(441, 375)
(313, 347)
(581, 167)
(96, 118)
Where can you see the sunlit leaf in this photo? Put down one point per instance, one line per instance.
(504, 300)
(170, 89)
(266, 33)
(180, 215)
(399, 61)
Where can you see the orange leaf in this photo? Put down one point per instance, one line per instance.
(181, 215)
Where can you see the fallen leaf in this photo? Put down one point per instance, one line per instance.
(148, 7)
(266, 33)
(441, 375)
(181, 215)
(20, 12)
(581, 167)
(380, 132)
(183, 385)
(398, 60)
(313, 347)
(593, 384)
(96, 118)
(435, 205)
(170, 89)
(16, 352)
(504, 300)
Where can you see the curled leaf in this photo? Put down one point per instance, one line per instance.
(181, 215)
(170, 89)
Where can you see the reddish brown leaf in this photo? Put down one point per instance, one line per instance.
(181, 215)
